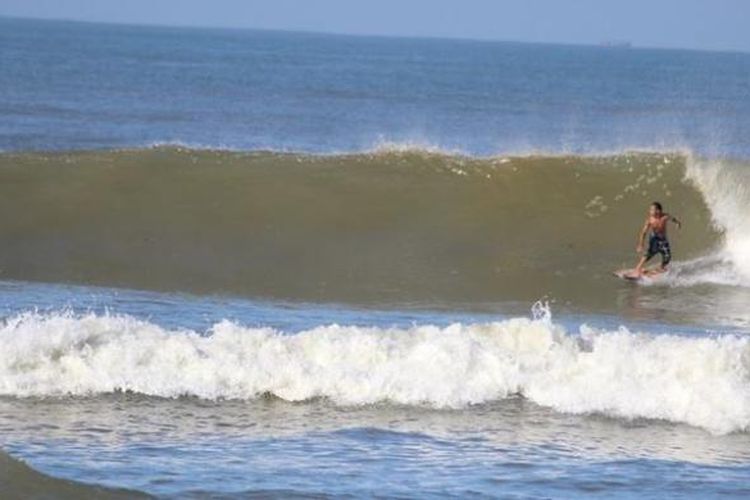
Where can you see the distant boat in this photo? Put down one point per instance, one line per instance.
(616, 44)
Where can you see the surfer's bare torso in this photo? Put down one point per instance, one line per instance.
(657, 225)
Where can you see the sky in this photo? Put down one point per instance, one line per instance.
(697, 24)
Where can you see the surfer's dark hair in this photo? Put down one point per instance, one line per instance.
(657, 205)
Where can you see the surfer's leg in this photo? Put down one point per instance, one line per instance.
(666, 254)
(641, 263)
(647, 255)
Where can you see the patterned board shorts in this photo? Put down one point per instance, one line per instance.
(660, 245)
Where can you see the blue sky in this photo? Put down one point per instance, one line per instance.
(704, 24)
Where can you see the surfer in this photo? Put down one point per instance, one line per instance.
(656, 227)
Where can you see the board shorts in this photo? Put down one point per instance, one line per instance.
(659, 244)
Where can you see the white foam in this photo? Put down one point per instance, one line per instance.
(725, 187)
(716, 268)
(383, 146)
(193, 146)
(699, 381)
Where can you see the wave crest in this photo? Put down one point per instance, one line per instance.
(725, 186)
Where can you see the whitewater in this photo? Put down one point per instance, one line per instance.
(699, 381)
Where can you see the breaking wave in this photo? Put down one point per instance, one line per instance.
(399, 223)
(725, 186)
(699, 381)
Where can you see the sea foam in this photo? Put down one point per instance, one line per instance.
(725, 186)
(702, 381)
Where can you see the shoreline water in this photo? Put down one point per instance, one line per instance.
(128, 432)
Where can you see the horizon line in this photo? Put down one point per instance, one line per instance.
(603, 44)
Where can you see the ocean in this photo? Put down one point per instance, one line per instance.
(241, 263)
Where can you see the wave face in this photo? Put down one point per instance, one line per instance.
(389, 225)
(699, 381)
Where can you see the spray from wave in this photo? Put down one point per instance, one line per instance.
(699, 381)
(725, 185)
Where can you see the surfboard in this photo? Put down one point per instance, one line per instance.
(632, 275)
(627, 274)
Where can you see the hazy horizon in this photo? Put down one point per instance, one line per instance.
(702, 25)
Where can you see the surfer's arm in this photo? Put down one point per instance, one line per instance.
(642, 237)
(676, 221)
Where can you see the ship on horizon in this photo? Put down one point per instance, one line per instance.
(616, 44)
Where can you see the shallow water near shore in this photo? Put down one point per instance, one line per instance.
(261, 443)
(272, 446)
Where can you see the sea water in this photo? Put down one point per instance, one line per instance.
(246, 263)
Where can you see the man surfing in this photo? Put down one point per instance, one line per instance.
(656, 228)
